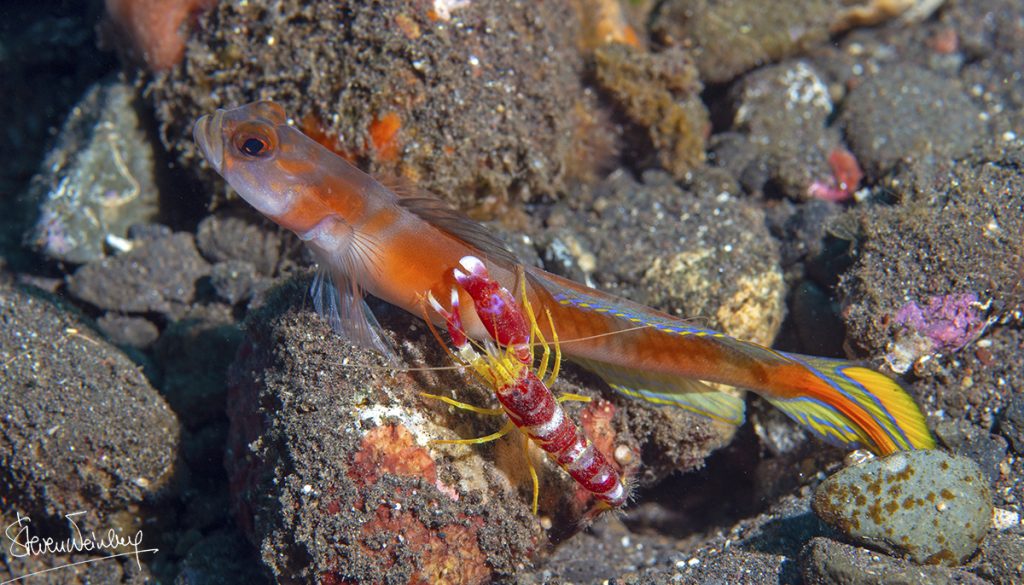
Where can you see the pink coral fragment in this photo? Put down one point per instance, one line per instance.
(948, 321)
(846, 177)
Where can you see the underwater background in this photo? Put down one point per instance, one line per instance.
(843, 178)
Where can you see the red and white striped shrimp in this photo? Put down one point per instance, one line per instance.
(521, 390)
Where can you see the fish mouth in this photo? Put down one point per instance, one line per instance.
(207, 135)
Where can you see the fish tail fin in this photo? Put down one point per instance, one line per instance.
(850, 405)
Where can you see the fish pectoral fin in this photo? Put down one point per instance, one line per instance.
(339, 300)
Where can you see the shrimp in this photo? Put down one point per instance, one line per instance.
(524, 395)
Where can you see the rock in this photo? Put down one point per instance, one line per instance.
(234, 280)
(221, 558)
(760, 549)
(154, 276)
(908, 112)
(137, 332)
(330, 445)
(97, 181)
(784, 111)
(928, 246)
(194, 354)
(705, 257)
(1001, 559)
(928, 506)
(503, 128)
(729, 38)
(660, 93)
(977, 444)
(83, 429)
(1011, 423)
(827, 562)
(225, 238)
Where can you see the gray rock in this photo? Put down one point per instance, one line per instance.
(784, 111)
(125, 330)
(927, 506)
(827, 562)
(224, 237)
(909, 112)
(221, 558)
(82, 427)
(194, 353)
(97, 181)
(234, 280)
(970, 440)
(154, 276)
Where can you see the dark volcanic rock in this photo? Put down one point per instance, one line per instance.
(83, 429)
(956, 233)
(329, 445)
(479, 107)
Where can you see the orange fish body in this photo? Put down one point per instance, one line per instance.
(369, 239)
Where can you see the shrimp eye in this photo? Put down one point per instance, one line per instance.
(253, 146)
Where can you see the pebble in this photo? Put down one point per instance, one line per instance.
(928, 506)
(827, 562)
(157, 276)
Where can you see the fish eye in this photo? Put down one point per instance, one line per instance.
(253, 146)
(255, 140)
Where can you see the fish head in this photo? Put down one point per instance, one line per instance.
(262, 157)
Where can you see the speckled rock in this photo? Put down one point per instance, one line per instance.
(194, 354)
(827, 562)
(157, 275)
(82, 427)
(706, 257)
(330, 445)
(950, 220)
(125, 330)
(907, 112)
(1011, 423)
(729, 37)
(784, 112)
(221, 558)
(98, 179)
(241, 237)
(985, 449)
(733, 36)
(928, 506)
(478, 105)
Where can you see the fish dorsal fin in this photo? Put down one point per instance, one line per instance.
(451, 221)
